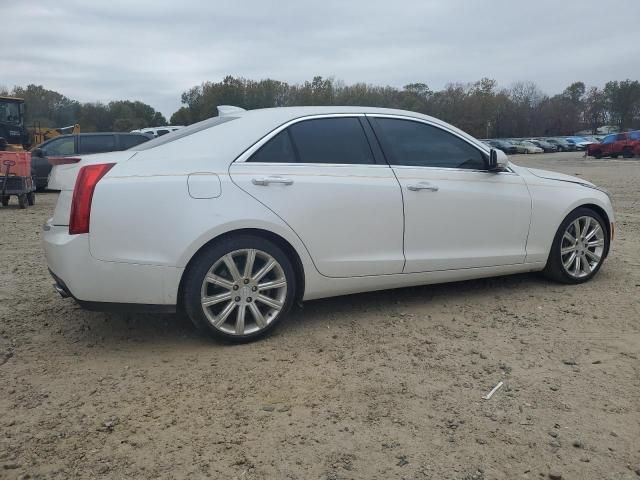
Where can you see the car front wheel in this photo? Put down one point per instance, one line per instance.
(240, 288)
(579, 247)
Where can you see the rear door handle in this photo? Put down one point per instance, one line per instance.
(423, 186)
(264, 181)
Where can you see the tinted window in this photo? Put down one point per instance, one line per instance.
(96, 143)
(60, 146)
(128, 141)
(162, 132)
(331, 140)
(609, 139)
(276, 150)
(417, 144)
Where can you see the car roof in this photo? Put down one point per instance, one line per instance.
(245, 127)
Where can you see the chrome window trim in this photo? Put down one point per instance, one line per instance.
(244, 156)
(476, 144)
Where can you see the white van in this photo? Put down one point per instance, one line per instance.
(158, 131)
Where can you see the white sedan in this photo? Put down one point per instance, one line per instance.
(527, 147)
(236, 218)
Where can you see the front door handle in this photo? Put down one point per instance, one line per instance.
(423, 186)
(264, 181)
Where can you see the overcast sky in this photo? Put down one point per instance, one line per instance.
(153, 50)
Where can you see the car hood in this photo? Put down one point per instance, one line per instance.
(561, 177)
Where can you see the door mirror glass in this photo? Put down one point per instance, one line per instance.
(498, 160)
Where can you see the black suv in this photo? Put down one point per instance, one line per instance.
(80, 144)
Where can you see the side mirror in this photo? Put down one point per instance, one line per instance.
(498, 160)
(38, 152)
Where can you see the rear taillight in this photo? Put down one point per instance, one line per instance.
(88, 178)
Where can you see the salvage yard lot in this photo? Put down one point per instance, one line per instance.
(378, 385)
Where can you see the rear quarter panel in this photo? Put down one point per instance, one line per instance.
(153, 220)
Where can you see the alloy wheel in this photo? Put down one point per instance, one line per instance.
(243, 292)
(582, 246)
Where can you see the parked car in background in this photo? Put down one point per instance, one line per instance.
(545, 146)
(287, 208)
(524, 146)
(562, 144)
(616, 144)
(158, 131)
(504, 145)
(580, 142)
(80, 144)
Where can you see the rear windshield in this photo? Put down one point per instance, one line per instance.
(182, 132)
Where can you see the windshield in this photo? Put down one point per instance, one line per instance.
(10, 112)
(182, 132)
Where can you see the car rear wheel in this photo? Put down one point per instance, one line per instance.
(239, 289)
(579, 247)
(5, 200)
(627, 153)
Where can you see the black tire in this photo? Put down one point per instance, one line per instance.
(598, 154)
(22, 200)
(5, 200)
(201, 264)
(627, 153)
(31, 198)
(554, 268)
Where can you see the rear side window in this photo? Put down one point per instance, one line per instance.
(277, 150)
(128, 141)
(331, 140)
(417, 144)
(96, 143)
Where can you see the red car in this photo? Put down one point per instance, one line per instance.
(626, 144)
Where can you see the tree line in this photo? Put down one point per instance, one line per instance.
(48, 108)
(481, 108)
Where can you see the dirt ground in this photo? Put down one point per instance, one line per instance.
(373, 386)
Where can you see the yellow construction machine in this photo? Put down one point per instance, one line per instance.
(17, 136)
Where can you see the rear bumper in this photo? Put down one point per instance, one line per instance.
(99, 285)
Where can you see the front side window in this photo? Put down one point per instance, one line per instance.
(97, 143)
(609, 139)
(60, 146)
(417, 144)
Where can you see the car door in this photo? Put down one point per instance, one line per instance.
(322, 177)
(457, 214)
